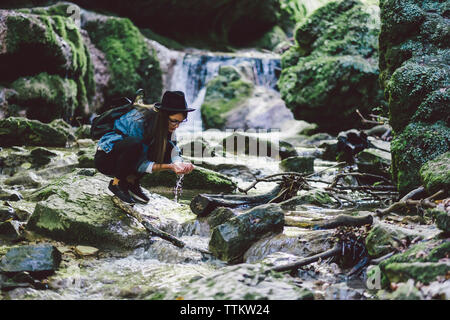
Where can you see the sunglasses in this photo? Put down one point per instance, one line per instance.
(176, 121)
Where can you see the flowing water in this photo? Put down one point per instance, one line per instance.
(153, 271)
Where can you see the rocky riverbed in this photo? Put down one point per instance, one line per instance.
(52, 197)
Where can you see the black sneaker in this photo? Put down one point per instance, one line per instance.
(137, 193)
(121, 192)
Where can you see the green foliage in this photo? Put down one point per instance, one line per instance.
(435, 174)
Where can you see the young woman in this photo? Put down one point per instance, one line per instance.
(143, 141)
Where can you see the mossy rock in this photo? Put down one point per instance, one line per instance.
(17, 131)
(79, 209)
(333, 66)
(230, 240)
(424, 272)
(374, 161)
(441, 218)
(56, 61)
(382, 239)
(313, 197)
(225, 92)
(416, 145)
(199, 178)
(240, 143)
(303, 165)
(435, 174)
(430, 252)
(132, 63)
(409, 87)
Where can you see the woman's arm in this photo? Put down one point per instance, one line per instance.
(162, 166)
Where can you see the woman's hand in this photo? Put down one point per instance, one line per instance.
(182, 168)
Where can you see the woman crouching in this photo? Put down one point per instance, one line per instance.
(143, 141)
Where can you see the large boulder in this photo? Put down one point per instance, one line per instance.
(230, 240)
(332, 70)
(17, 131)
(414, 65)
(77, 208)
(199, 178)
(45, 61)
(132, 63)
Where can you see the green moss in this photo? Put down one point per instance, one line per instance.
(435, 174)
(132, 64)
(424, 272)
(57, 48)
(47, 96)
(223, 93)
(332, 86)
(416, 145)
(409, 86)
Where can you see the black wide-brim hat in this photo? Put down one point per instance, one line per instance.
(173, 101)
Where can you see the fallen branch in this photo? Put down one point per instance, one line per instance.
(340, 220)
(406, 202)
(128, 208)
(364, 120)
(356, 174)
(324, 255)
(380, 259)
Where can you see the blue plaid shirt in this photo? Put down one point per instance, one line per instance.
(132, 124)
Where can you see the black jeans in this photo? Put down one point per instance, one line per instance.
(122, 161)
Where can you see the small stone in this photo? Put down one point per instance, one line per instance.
(303, 165)
(86, 251)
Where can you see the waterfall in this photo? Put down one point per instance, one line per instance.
(192, 72)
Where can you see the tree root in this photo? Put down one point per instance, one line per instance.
(338, 221)
(406, 202)
(303, 262)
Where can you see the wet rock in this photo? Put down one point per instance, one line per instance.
(350, 143)
(38, 260)
(15, 131)
(7, 213)
(435, 174)
(78, 208)
(427, 257)
(83, 132)
(404, 291)
(41, 156)
(218, 216)
(85, 143)
(342, 291)
(23, 209)
(294, 241)
(86, 160)
(199, 178)
(384, 238)
(424, 272)
(437, 290)
(10, 230)
(317, 139)
(246, 281)
(230, 240)
(27, 179)
(85, 251)
(303, 165)
(374, 161)
(442, 219)
(315, 197)
(330, 149)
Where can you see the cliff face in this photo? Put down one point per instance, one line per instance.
(415, 74)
